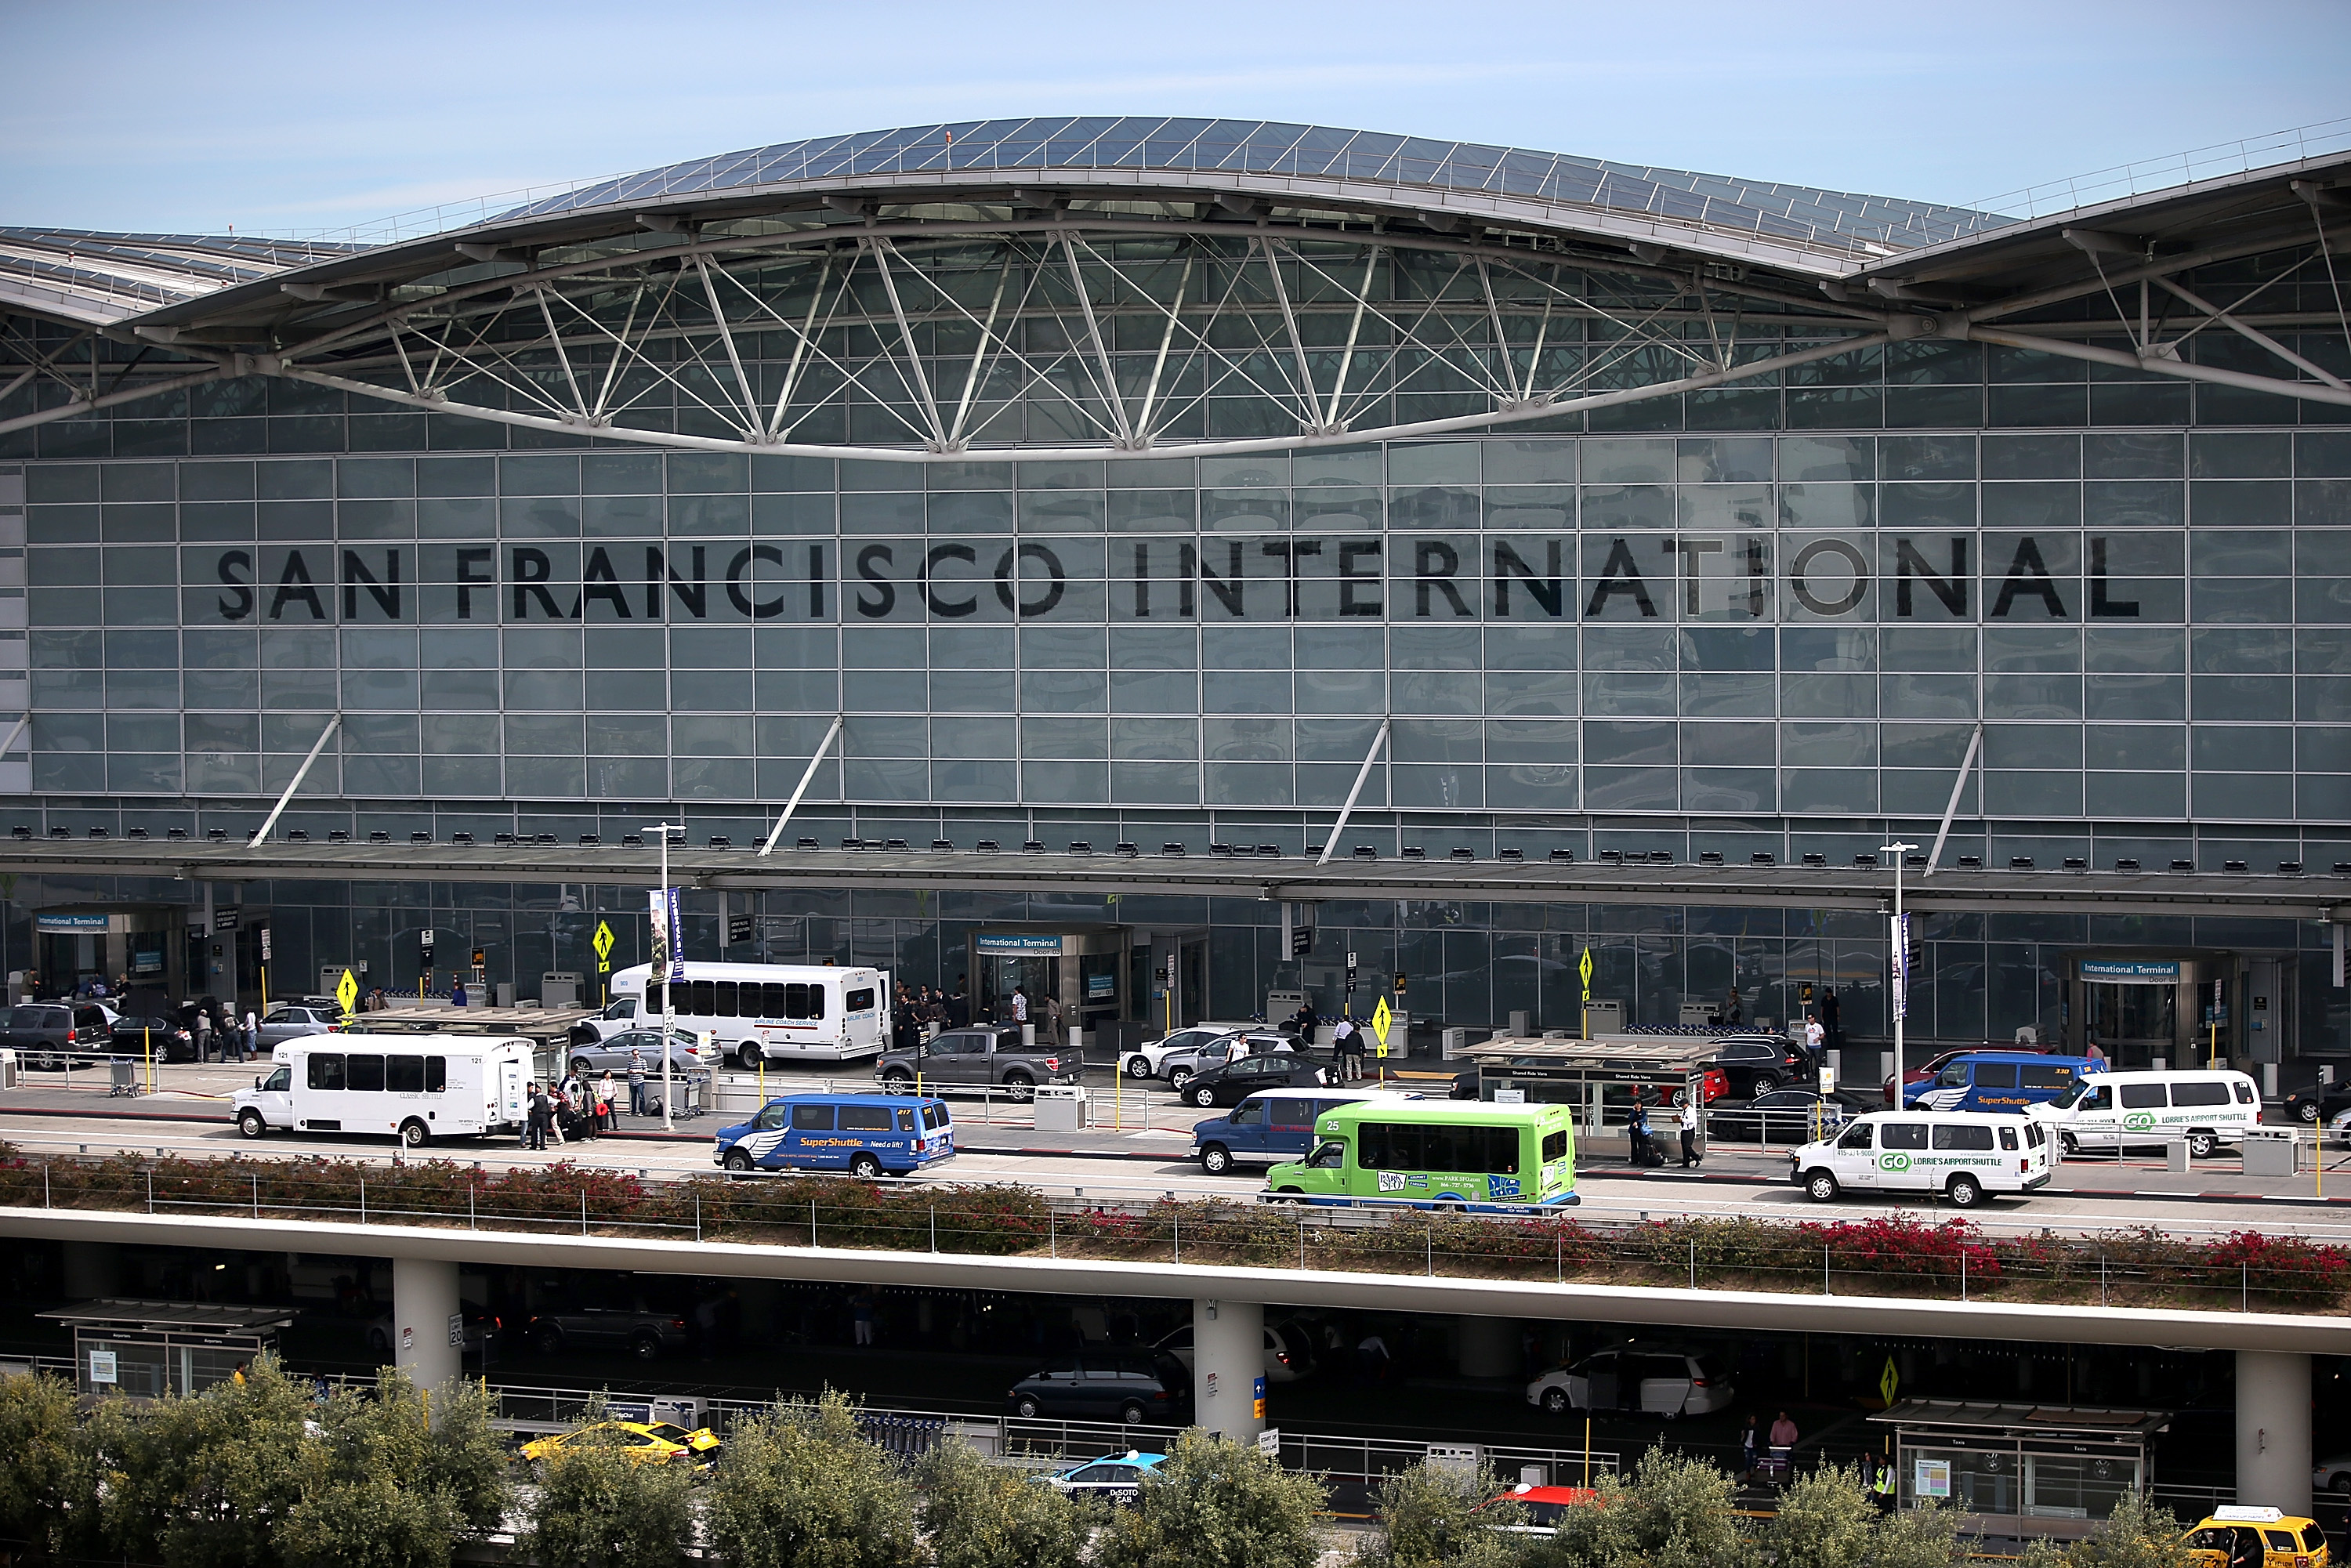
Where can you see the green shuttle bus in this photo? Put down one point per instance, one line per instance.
(1437, 1152)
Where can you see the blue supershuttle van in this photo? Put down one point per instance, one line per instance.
(864, 1135)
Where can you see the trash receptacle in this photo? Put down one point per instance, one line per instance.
(1061, 1108)
(2271, 1151)
(10, 1073)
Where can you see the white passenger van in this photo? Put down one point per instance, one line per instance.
(1966, 1155)
(2206, 1107)
(412, 1087)
(800, 1012)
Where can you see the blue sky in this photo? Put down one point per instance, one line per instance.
(309, 117)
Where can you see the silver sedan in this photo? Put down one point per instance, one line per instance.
(612, 1055)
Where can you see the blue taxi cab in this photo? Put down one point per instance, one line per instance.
(866, 1135)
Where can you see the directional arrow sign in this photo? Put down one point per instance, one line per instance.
(347, 992)
(604, 940)
(1381, 1019)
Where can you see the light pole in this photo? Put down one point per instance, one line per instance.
(1900, 967)
(674, 953)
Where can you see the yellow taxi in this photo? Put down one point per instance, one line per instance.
(2257, 1538)
(645, 1443)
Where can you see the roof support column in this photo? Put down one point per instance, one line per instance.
(2273, 1429)
(427, 1321)
(1229, 1368)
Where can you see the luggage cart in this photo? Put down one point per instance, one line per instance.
(123, 1077)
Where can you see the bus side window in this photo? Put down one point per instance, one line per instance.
(1555, 1146)
(653, 997)
(859, 1000)
(326, 1071)
(436, 1075)
(367, 1072)
(865, 1118)
(1501, 1150)
(775, 1000)
(404, 1074)
(706, 998)
(813, 1118)
(722, 1000)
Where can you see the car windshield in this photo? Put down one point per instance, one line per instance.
(669, 1433)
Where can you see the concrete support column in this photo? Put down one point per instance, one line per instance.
(93, 1270)
(2274, 1430)
(1228, 1367)
(424, 1302)
(1488, 1347)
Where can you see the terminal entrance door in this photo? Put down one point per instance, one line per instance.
(1086, 970)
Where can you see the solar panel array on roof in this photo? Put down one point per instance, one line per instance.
(1790, 212)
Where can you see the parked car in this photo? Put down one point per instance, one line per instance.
(1149, 1059)
(51, 1034)
(2237, 1536)
(1650, 1381)
(130, 1035)
(1464, 1086)
(1131, 1387)
(643, 1332)
(480, 1329)
(1783, 1116)
(292, 1020)
(1115, 1478)
(2320, 1103)
(1236, 1080)
(984, 1055)
(1757, 1064)
(1289, 1353)
(1541, 1508)
(612, 1054)
(1179, 1065)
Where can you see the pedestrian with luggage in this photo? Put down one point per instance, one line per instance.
(534, 1124)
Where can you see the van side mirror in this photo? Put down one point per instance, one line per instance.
(257, 1081)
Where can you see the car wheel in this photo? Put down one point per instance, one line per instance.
(379, 1342)
(414, 1134)
(249, 1123)
(2201, 1144)
(750, 1054)
(579, 1068)
(1205, 1095)
(1765, 1082)
(1133, 1412)
(2307, 1112)
(1177, 1077)
(1021, 1086)
(736, 1160)
(1215, 1159)
(1140, 1067)
(1288, 1194)
(1554, 1401)
(2066, 1141)
(2340, 1482)
(897, 1081)
(1965, 1191)
(1821, 1186)
(1027, 1408)
(864, 1167)
(645, 1346)
(549, 1339)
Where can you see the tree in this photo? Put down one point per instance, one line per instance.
(979, 1515)
(2137, 1534)
(395, 1478)
(44, 1495)
(1216, 1505)
(204, 1481)
(1827, 1520)
(800, 1486)
(1430, 1517)
(1674, 1512)
(597, 1507)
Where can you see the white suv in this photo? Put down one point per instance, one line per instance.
(1150, 1059)
(1668, 1383)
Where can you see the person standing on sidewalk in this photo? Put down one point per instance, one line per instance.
(252, 1035)
(204, 1037)
(1689, 1116)
(636, 1081)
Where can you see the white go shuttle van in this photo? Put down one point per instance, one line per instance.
(1965, 1156)
(760, 1012)
(2204, 1107)
(412, 1087)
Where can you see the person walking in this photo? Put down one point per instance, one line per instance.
(534, 1134)
(1020, 1005)
(1783, 1444)
(1733, 1014)
(864, 1315)
(1815, 1037)
(1750, 1436)
(1636, 1129)
(1053, 1021)
(457, 994)
(958, 1006)
(1689, 1120)
(1347, 1045)
(637, 1083)
(1833, 1017)
(606, 1093)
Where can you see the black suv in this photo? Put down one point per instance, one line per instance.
(1133, 1387)
(1757, 1064)
(1236, 1080)
(48, 1034)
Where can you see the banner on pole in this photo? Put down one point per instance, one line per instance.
(1901, 967)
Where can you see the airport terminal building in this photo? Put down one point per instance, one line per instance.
(1623, 552)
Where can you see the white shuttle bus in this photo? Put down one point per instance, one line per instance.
(773, 1012)
(412, 1087)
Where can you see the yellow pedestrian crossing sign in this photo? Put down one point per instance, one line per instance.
(1888, 1382)
(347, 992)
(1381, 1019)
(1584, 969)
(603, 945)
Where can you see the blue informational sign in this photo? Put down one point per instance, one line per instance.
(69, 925)
(1049, 945)
(2131, 972)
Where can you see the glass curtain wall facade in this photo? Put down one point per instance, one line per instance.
(1762, 619)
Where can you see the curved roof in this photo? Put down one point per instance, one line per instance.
(1134, 142)
(96, 278)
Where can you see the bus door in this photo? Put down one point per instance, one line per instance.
(507, 1091)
